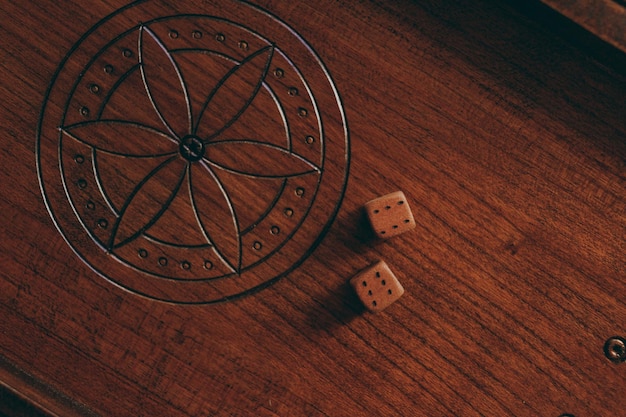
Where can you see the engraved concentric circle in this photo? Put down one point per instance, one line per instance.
(195, 156)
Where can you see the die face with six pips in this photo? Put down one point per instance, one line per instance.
(377, 287)
(390, 215)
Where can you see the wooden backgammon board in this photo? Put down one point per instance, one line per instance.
(183, 191)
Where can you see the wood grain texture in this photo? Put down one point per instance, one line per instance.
(509, 143)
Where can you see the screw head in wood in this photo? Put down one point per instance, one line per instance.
(615, 349)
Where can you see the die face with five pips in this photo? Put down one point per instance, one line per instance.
(390, 215)
(377, 287)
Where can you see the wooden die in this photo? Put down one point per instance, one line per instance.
(377, 287)
(390, 215)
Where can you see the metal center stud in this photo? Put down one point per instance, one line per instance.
(192, 148)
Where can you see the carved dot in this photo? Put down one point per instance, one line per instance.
(382, 232)
(243, 45)
(395, 226)
(400, 203)
(94, 88)
(300, 191)
(186, 265)
(275, 230)
(90, 205)
(220, 37)
(615, 349)
(79, 159)
(376, 211)
(383, 282)
(257, 245)
(293, 91)
(374, 303)
(377, 274)
(103, 223)
(566, 415)
(197, 34)
(142, 253)
(407, 221)
(288, 212)
(163, 261)
(389, 292)
(387, 207)
(370, 293)
(310, 140)
(174, 34)
(302, 112)
(279, 73)
(208, 265)
(127, 53)
(365, 283)
(82, 183)
(109, 69)
(84, 111)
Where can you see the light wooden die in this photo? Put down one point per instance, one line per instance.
(377, 287)
(390, 215)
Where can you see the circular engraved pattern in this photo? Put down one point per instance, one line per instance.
(192, 150)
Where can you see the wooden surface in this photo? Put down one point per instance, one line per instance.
(605, 18)
(508, 141)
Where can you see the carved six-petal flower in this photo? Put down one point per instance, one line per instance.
(191, 146)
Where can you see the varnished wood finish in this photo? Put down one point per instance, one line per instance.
(510, 145)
